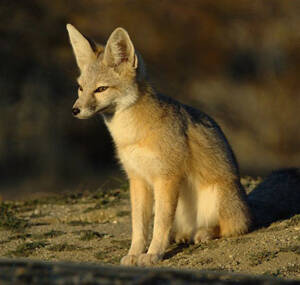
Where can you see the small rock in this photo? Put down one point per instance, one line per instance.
(37, 212)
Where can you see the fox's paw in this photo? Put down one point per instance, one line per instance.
(129, 260)
(148, 259)
(182, 238)
(204, 235)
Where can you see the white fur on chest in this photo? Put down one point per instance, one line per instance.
(135, 156)
(141, 161)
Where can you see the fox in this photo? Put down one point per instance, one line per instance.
(177, 159)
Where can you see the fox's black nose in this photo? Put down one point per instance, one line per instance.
(75, 111)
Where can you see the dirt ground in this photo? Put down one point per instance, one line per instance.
(95, 227)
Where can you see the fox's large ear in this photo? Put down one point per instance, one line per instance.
(119, 49)
(82, 48)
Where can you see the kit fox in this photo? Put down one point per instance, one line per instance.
(173, 154)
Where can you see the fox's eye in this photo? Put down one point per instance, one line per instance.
(80, 88)
(100, 89)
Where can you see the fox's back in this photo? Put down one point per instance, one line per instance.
(207, 143)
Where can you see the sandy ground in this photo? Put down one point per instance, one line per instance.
(95, 227)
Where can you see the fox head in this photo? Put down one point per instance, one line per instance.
(108, 74)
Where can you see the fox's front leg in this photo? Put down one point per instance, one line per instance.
(141, 210)
(166, 196)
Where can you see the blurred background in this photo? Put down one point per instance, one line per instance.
(239, 61)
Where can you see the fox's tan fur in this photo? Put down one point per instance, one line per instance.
(173, 154)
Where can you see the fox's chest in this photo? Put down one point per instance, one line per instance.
(141, 161)
(135, 144)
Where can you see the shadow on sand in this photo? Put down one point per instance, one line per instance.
(276, 198)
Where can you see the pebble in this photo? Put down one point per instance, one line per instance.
(37, 212)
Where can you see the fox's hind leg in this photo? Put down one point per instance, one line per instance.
(205, 234)
(222, 212)
(185, 217)
(207, 200)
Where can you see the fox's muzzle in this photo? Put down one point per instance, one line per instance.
(75, 111)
